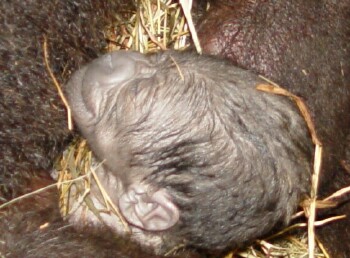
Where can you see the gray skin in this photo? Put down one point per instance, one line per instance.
(192, 153)
(33, 127)
(305, 47)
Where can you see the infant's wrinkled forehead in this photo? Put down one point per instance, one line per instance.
(116, 67)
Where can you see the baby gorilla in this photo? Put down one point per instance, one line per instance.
(191, 152)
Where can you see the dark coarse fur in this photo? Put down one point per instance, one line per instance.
(230, 156)
(34, 229)
(33, 121)
(303, 46)
(33, 126)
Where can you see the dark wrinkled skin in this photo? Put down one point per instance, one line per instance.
(303, 46)
(32, 132)
(229, 156)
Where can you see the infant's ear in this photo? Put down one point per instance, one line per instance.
(149, 211)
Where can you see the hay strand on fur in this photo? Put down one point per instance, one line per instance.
(311, 210)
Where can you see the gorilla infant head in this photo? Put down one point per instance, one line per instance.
(192, 153)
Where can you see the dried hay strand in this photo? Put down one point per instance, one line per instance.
(310, 211)
(159, 25)
(77, 162)
(155, 25)
(75, 168)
